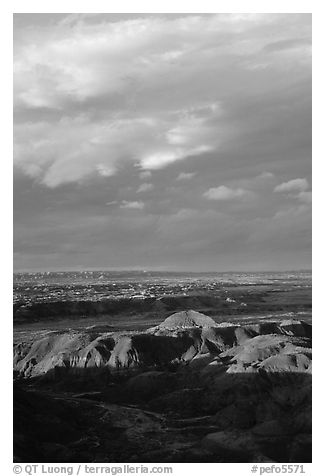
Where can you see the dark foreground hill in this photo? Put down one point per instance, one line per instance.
(185, 390)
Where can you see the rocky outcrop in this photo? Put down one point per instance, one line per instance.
(146, 350)
(68, 350)
(180, 338)
(269, 351)
(186, 319)
(206, 392)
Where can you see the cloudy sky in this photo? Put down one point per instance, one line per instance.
(178, 142)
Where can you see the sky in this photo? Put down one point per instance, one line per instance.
(162, 142)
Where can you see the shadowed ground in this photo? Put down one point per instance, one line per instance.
(185, 390)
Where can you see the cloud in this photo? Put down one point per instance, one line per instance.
(266, 175)
(145, 174)
(159, 160)
(224, 193)
(105, 170)
(185, 176)
(92, 95)
(305, 197)
(75, 148)
(145, 187)
(296, 189)
(295, 185)
(137, 205)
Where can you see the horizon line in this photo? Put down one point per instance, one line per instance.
(143, 270)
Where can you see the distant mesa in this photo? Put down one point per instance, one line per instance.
(186, 319)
